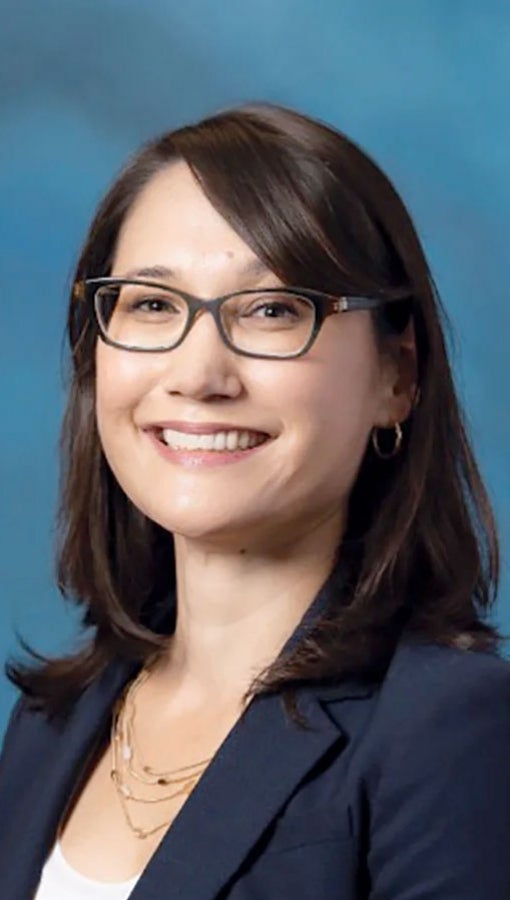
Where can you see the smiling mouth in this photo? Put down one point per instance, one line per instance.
(219, 442)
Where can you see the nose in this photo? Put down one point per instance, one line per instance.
(203, 367)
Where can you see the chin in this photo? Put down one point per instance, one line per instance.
(196, 524)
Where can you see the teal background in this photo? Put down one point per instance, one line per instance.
(423, 86)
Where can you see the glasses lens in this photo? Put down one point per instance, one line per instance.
(270, 324)
(137, 315)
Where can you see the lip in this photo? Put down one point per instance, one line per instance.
(202, 427)
(202, 458)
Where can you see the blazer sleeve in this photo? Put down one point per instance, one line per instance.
(441, 802)
(10, 729)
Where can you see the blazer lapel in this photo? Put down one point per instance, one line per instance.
(257, 768)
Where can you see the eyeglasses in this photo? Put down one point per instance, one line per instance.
(272, 323)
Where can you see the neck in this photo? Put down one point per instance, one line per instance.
(237, 608)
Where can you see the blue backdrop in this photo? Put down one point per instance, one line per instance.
(423, 86)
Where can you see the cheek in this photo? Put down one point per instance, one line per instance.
(331, 398)
(327, 404)
(348, 392)
(119, 387)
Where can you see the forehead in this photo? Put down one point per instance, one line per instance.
(173, 224)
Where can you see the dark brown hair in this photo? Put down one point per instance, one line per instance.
(420, 554)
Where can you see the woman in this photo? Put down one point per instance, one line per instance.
(273, 521)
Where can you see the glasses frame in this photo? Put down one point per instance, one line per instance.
(324, 305)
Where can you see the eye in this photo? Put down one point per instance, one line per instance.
(139, 302)
(274, 309)
(153, 304)
(285, 307)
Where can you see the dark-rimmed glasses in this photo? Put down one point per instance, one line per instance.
(267, 323)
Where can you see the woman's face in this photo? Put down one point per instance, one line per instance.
(318, 409)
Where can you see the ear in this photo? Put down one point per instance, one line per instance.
(399, 378)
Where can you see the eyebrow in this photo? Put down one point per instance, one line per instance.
(252, 267)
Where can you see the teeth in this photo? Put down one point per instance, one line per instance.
(232, 440)
(221, 440)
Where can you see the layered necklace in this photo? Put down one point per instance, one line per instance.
(127, 761)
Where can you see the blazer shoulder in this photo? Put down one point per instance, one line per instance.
(13, 721)
(425, 677)
(433, 661)
(438, 753)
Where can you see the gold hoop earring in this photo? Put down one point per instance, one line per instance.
(396, 448)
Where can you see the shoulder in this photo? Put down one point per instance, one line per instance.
(423, 673)
(16, 714)
(436, 766)
(438, 699)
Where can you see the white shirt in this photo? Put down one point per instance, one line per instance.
(59, 881)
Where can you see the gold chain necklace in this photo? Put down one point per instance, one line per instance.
(123, 747)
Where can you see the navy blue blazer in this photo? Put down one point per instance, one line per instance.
(399, 791)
